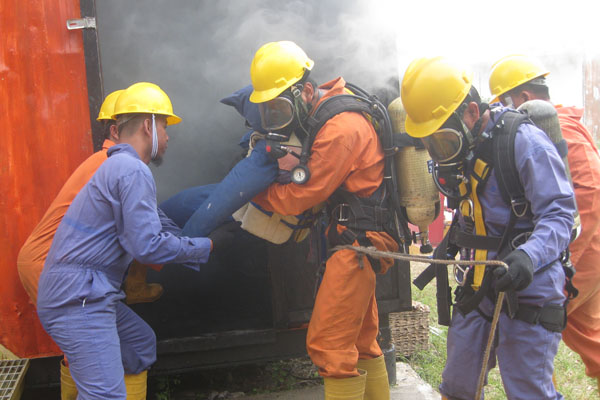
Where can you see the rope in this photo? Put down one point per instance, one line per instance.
(372, 251)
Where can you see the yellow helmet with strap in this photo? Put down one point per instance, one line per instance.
(432, 89)
(512, 71)
(277, 66)
(145, 98)
(108, 106)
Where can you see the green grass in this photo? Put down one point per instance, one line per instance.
(569, 369)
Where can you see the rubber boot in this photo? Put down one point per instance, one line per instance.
(346, 388)
(136, 288)
(68, 390)
(378, 386)
(136, 386)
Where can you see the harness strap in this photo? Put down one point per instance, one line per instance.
(334, 106)
(505, 168)
(361, 213)
(348, 237)
(480, 174)
(468, 240)
(553, 317)
(440, 272)
(468, 298)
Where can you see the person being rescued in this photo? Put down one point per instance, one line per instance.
(199, 210)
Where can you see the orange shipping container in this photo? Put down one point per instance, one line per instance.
(46, 134)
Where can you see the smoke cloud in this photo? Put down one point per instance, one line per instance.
(199, 51)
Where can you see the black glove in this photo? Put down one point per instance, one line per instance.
(519, 274)
(223, 236)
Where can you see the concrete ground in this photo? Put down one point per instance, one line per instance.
(409, 386)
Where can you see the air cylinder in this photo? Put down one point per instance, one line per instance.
(418, 194)
(544, 116)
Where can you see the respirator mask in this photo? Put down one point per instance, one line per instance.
(450, 148)
(282, 115)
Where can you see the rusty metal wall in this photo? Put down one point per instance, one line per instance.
(45, 136)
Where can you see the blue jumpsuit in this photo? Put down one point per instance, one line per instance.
(525, 352)
(112, 220)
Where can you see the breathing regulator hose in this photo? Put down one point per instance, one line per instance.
(371, 251)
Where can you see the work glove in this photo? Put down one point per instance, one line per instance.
(519, 274)
(223, 236)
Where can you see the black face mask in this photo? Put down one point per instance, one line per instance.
(282, 115)
(450, 148)
(448, 177)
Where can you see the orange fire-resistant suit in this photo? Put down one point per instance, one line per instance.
(582, 333)
(344, 324)
(32, 255)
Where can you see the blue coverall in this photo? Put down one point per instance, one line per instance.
(112, 220)
(525, 352)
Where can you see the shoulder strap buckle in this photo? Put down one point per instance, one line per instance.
(519, 206)
(343, 212)
(460, 274)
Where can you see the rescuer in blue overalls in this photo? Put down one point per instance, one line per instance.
(112, 220)
(445, 111)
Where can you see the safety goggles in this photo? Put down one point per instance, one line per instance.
(444, 145)
(277, 113)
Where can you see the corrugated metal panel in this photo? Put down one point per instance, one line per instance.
(45, 135)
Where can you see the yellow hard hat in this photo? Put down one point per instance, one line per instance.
(512, 71)
(108, 106)
(145, 98)
(277, 66)
(432, 89)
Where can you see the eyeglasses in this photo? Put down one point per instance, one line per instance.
(444, 144)
(277, 113)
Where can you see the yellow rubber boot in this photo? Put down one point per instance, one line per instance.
(68, 390)
(136, 386)
(378, 386)
(136, 288)
(346, 388)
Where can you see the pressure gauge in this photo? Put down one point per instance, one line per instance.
(300, 174)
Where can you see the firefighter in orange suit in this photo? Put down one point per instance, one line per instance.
(515, 80)
(32, 255)
(346, 160)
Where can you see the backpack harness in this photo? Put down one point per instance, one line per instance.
(475, 282)
(380, 211)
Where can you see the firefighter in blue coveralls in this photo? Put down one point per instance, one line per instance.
(445, 111)
(114, 219)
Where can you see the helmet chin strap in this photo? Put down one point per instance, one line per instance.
(154, 139)
(483, 107)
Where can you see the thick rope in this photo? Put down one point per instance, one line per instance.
(372, 251)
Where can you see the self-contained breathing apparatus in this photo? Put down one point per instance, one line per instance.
(493, 151)
(378, 212)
